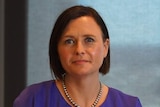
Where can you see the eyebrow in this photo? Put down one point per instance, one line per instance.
(90, 35)
(85, 35)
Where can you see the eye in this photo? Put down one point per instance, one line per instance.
(89, 39)
(69, 41)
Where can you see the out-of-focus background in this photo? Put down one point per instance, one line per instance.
(134, 28)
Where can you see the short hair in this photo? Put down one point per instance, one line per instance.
(58, 29)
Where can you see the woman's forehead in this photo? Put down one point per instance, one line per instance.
(84, 24)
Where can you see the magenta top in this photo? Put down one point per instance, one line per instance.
(46, 94)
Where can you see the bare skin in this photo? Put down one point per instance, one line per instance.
(85, 99)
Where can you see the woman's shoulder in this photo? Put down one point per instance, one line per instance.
(42, 86)
(35, 91)
(120, 99)
(117, 93)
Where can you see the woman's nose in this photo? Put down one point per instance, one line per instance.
(79, 48)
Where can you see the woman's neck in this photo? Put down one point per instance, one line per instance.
(83, 90)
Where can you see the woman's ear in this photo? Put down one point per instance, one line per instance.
(106, 47)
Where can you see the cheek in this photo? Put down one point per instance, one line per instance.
(97, 51)
(98, 54)
(63, 54)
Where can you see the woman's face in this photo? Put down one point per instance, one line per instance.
(81, 48)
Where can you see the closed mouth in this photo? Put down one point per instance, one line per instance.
(80, 61)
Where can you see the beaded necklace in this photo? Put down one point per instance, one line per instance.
(74, 103)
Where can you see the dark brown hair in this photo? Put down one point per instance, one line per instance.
(59, 27)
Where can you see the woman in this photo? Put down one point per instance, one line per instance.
(78, 51)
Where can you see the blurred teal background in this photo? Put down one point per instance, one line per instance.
(134, 28)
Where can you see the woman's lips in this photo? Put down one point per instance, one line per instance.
(80, 61)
